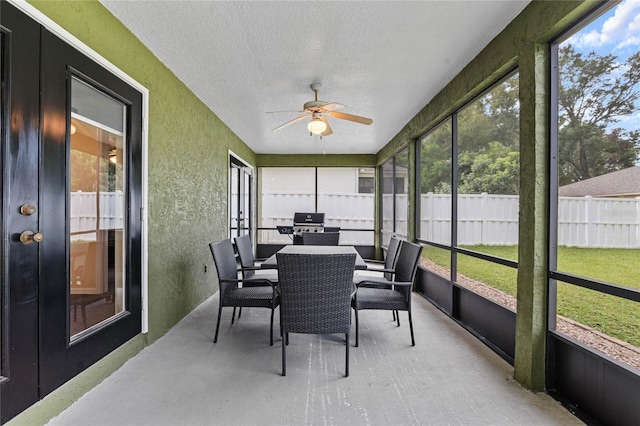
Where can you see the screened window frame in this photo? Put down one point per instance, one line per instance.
(394, 192)
(555, 275)
(375, 172)
(454, 248)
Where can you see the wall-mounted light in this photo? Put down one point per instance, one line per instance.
(73, 129)
(316, 126)
(113, 157)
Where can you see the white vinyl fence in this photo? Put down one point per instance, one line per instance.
(493, 220)
(402, 216)
(344, 210)
(482, 218)
(84, 217)
(599, 222)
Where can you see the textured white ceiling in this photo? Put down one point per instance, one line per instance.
(383, 60)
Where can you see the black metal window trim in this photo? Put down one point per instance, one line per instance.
(554, 275)
(454, 249)
(394, 186)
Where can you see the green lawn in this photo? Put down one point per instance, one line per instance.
(611, 315)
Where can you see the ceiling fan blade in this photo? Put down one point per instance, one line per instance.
(332, 106)
(328, 131)
(277, 112)
(302, 117)
(350, 117)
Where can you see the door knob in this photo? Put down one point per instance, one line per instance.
(28, 237)
(27, 209)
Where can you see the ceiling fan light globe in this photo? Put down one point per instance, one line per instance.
(317, 126)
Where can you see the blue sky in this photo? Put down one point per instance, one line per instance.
(617, 31)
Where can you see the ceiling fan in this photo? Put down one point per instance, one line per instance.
(318, 112)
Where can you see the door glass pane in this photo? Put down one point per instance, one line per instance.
(245, 214)
(240, 211)
(97, 182)
(234, 173)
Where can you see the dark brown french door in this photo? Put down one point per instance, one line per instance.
(71, 212)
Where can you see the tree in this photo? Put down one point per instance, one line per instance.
(494, 170)
(435, 160)
(488, 143)
(594, 92)
(503, 107)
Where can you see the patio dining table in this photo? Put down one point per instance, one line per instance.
(272, 263)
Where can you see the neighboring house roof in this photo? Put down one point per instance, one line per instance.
(623, 183)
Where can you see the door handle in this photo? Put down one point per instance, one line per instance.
(28, 237)
(27, 209)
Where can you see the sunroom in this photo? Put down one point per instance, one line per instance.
(515, 168)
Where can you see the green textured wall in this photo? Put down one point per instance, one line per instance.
(188, 155)
(330, 160)
(523, 44)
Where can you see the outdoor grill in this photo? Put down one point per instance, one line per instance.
(306, 222)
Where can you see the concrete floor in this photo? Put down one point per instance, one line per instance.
(449, 377)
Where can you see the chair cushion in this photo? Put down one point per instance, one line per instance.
(379, 298)
(249, 296)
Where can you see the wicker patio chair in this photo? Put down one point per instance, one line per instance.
(397, 294)
(315, 296)
(320, 238)
(252, 274)
(248, 265)
(231, 294)
(387, 270)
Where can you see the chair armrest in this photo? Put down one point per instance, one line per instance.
(381, 270)
(252, 281)
(249, 268)
(372, 280)
(402, 284)
(380, 262)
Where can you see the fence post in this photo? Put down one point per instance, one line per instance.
(590, 227)
(431, 222)
(483, 217)
(637, 245)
